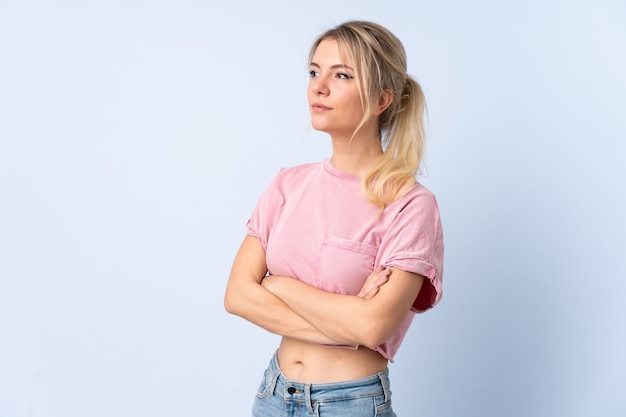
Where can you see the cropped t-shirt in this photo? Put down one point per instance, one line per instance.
(316, 226)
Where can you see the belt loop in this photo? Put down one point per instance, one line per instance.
(274, 379)
(275, 374)
(307, 397)
(384, 381)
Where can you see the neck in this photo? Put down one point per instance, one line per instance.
(354, 154)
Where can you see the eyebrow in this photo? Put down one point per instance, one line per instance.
(336, 66)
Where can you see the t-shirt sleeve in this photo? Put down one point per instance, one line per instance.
(414, 243)
(263, 216)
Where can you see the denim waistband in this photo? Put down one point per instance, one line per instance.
(279, 384)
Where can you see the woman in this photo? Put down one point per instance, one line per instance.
(340, 254)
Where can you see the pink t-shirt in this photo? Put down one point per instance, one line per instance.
(315, 225)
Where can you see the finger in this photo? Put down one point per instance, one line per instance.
(372, 292)
(383, 277)
(369, 290)
(377, 278)
(364, 293)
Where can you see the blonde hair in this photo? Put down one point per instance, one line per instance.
(380, 65)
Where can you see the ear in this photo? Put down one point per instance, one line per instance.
(386, 98)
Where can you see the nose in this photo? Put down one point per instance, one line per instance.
(319, 86)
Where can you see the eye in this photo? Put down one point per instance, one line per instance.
(313, 73)
(344, 76)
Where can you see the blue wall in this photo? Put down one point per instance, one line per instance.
(136, 137)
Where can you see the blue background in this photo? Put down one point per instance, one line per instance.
(136, 137)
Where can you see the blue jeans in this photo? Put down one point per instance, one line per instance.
(279, 396)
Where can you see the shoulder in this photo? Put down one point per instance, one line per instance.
(418, 196)
(418, 206)
(300, 169)
(294, 175)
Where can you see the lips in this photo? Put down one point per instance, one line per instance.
(318, 107)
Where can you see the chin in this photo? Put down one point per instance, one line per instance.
(319, 127)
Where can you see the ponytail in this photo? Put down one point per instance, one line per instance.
(403, 137)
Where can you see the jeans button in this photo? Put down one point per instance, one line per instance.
(291, 390)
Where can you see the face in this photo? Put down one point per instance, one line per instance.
(333, 93)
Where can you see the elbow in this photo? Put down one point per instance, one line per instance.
(230, 303)
(373, 334)
(377, 327)
(240, 298)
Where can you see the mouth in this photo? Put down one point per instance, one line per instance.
(317, 107)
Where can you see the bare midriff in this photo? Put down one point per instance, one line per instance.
(315, 364)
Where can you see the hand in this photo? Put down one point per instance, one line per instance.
(373, 283)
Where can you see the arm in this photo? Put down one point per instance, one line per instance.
(246, 297)
(351, 319)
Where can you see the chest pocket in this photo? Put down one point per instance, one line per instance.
(344, 265)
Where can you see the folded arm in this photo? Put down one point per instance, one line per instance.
(246, 297)
(351, 319)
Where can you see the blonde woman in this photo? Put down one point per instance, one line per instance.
(339, 255)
